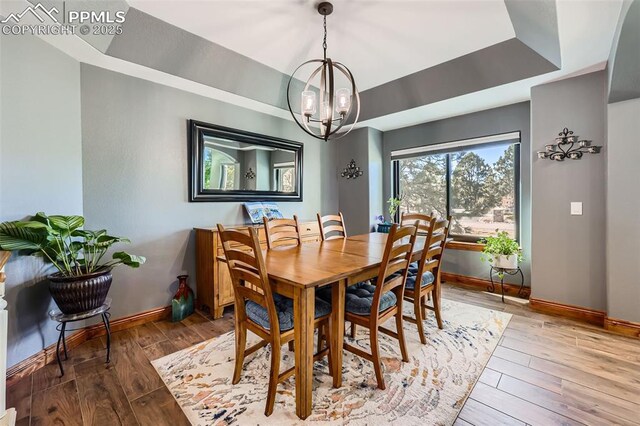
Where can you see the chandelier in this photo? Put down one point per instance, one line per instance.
(324, 109)
(568, 146)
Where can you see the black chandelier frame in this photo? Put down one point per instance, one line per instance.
(326, 68)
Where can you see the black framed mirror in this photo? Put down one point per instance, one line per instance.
(234, 165)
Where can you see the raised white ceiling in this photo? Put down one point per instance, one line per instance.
(379, 41)
(586, 30)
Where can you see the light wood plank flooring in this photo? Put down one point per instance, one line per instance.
(547, 370)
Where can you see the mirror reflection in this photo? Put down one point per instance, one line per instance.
(233, 165)
(238, 166)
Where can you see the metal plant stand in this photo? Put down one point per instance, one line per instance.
(63, 319)
(500, 272)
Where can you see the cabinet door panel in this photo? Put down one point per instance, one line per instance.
(225, 286)
(309, 228)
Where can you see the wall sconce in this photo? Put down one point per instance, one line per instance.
(250, 174)
(352, 171)
(568, 146)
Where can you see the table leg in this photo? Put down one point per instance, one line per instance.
(502, 286)
(62, 326)
(303, 314)
(337, 329)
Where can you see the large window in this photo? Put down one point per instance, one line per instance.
(478, 186)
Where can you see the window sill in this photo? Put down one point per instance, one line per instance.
(465, 246)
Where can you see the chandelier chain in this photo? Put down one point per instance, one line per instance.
(324, 40)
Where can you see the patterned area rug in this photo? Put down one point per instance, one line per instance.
(430, 389)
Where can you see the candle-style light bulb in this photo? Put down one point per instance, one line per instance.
(308, 103)
(343, 100)
(325, 112)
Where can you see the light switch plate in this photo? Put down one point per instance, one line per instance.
(576, 208)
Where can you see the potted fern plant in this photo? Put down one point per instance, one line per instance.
(83, 279)
(501, 251)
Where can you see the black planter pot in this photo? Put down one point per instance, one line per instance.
(79, 294)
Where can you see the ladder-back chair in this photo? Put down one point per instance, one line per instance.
(267, 314)
(423, 279)
(282, 232)
(370, 305)
(332, 226)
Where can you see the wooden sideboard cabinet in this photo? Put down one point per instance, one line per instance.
(213, 282)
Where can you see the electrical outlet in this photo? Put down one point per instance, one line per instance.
(576, 208)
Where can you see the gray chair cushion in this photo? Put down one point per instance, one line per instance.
(284, 307)
(359, 298)
(427, 278)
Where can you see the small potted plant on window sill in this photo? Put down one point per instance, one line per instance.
(501, 251)
(383, 225)
(82, 280)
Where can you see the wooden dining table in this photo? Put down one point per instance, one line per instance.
(296, 272)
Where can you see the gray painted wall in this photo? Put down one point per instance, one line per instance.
(353, 194)
(494, 121)
(135, 177)
(263, 170)
(40, 170)
(374, 172)
(360, 199)
(623, 211)
(568, 252)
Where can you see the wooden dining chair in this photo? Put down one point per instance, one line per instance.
(423, 279)
(332, 226)
(423, 221)
(282, 232)
(370, 305)
(267, 314)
